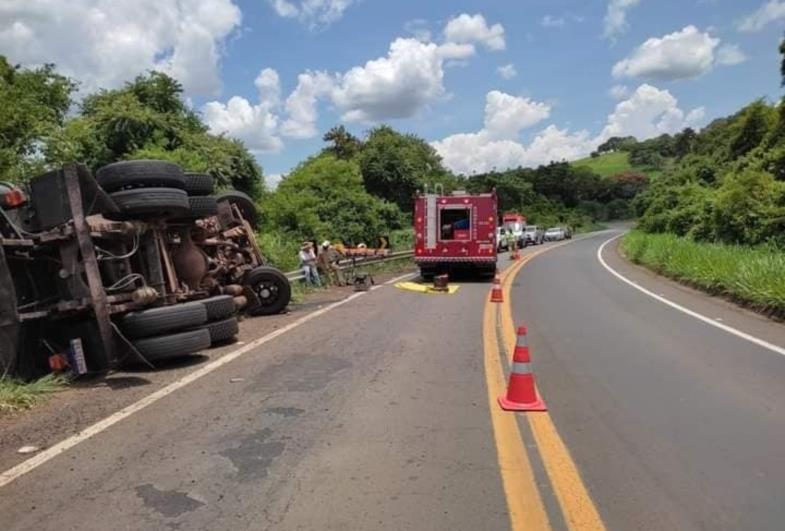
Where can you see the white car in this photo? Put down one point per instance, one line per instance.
(502, 239)
(555, 234)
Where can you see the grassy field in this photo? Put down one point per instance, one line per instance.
(752, 276)
(16, 395)
(609, 164)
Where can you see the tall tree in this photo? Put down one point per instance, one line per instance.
(33, 105)
(344, 145)
(394, 166)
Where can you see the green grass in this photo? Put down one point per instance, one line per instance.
(606, 164)
(17, 395)
(609, 164)
(752, 276)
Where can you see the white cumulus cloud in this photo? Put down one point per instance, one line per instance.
(301, 105)
(648, 112)
(686, 53)
(315, 14)
(473, 29)
(507, 71)
(506, 115)
(615, 21)
(767, 13)
(104, 43)
(255, 124)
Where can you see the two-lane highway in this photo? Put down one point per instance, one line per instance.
(380, 413)
(675, 424)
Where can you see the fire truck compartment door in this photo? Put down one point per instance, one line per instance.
(431, 215)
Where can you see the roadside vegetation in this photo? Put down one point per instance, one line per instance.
(753, 276)
(16, 395)
(715, 217)
(355, 189)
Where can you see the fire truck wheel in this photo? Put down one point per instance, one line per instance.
(221, 331)
(199, 184)
(203, 206)
(173, 345)
(156, 321)
(151, 203)
(140, 174)
(218, 307)
(244, 203)
(271, 287)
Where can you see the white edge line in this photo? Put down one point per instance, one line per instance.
(696, 315)
(396, 279)
(53, 451)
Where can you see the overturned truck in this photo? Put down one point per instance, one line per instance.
(140, 264)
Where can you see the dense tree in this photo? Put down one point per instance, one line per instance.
(147, 118)
(343, 144)
(395, 165)
(33, 105)
(617, 143)
(755, 123)
(324, 198)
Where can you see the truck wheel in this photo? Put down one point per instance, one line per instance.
(244, 203)
(202, 206)
(140, 174)
(173, 345)
(151, 203)
(156, 321)
(218, 307)
(221, 331)
(271, 287)
(199, 184)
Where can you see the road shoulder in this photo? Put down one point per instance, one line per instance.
(715, 308)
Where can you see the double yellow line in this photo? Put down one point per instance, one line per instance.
(524, 501)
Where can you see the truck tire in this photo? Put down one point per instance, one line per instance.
(199, 184)
(140, 174)
(202, 206)
(224, 330)
(244, 203)
(271, 287)
(151, 203)
(156, 321)
(218, 307)
(173, 345)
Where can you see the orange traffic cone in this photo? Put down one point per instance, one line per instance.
(496, 292)
(521, 394)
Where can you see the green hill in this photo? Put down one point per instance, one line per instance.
(606, 164)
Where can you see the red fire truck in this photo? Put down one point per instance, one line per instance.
(455, 232)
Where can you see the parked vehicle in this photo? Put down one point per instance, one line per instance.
(503, 237)
(455, 232)
(554, 234)
(515, 223)
(533, 235)
(139, 264)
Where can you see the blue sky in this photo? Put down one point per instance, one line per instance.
(279, 73)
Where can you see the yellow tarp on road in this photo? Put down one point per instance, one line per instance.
(422, 288)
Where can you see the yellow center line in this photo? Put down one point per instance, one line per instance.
(576, 504)
(524, 503)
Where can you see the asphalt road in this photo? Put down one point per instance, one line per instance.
(380, 414)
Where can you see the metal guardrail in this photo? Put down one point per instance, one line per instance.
(357, 262)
